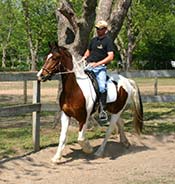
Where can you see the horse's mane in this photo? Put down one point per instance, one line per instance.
(78, 64)
(65, 51)
(55, 48)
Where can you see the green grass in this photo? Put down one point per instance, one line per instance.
(158, 118)
(17, 140)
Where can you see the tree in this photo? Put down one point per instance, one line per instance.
(7, 24)
(40, 21)
(145, 27)
(74, 31)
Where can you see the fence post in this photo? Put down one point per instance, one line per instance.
(36, 116)
(25, 91)
(156, 86)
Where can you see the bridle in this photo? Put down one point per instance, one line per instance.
(58, 68)
(65, 69)
(49, 72)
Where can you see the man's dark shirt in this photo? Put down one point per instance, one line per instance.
(99, 48)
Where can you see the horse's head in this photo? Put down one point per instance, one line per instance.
(57, 60)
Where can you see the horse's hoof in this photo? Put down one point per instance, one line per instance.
(56, 160)
(87, 151)
(86, 147)
(98, 155)
(126, 144)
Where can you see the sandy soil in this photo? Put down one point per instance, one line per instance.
(149, 160)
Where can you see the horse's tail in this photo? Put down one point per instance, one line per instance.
(137, 107)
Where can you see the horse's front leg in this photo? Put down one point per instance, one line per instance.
(62, 140)
(84, 143)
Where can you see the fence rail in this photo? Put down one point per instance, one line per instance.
(36, 107)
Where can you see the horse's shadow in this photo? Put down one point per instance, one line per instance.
(112, 151)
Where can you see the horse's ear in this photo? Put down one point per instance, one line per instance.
(56, 44)
(50, 45)
(53, 45)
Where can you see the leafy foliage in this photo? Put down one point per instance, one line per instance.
(43, 29)
(153, 24)
(153, 28)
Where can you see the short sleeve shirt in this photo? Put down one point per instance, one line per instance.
(99, 48)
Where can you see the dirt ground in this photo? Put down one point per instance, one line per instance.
(149, 160)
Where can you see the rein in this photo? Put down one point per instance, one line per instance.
(67, 70)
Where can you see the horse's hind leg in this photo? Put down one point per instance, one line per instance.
(120, 127)
(62, 141)
(112, 125)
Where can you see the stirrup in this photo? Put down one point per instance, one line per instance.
(103, 116)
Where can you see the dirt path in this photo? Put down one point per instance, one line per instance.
(150, 160)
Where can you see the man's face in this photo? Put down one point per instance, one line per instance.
(101, 31)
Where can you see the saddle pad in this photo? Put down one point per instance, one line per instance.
(111, 91)
(88, 89)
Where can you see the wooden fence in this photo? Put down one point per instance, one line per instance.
(36, 107)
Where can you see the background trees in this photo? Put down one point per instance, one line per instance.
(39, 23)
(146, 38)
(26, 28)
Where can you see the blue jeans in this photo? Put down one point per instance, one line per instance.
(100, 73)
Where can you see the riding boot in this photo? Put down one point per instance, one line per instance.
(102, 102)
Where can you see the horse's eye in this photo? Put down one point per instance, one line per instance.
(54, 59)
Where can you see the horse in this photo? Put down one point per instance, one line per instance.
(78, 97)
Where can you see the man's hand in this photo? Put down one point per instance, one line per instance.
(93, 64)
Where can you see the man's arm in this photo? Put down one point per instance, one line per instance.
(86, 54)
(106, 60)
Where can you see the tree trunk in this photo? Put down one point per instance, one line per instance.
(5, 45)
(3, 57)
(133, 37)
(33, 52)
(118, 15)
(33, 49)
(104, 10)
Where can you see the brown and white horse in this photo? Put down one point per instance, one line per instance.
(78, 96)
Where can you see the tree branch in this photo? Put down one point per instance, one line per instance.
(118, 16)
(85, 25)
(67, 10)
(104, 10)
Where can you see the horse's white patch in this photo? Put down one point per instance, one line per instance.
(39, 73)
(49, 56)
(88, 90)
(111, 91)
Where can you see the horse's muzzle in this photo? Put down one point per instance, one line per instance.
(43, 78)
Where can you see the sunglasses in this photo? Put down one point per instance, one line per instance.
(99, 28)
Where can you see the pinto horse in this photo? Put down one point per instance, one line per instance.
(78, 97)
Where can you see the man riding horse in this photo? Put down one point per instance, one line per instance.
(99, 53)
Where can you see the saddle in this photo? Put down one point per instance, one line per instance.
(111, 86)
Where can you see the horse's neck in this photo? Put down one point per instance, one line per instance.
(69, 82)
